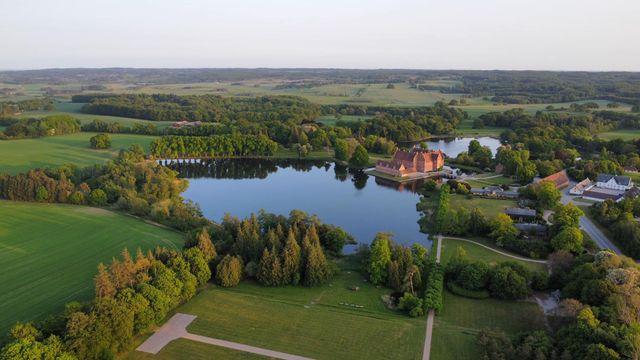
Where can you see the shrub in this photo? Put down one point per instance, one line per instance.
(411, 304)
(472, 294)
(100, 141)
(98, 197)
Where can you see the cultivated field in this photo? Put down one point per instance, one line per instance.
(49, 254)
(23, 155)
(309, 322)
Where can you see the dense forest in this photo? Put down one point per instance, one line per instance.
(207, 108)
(213, 146)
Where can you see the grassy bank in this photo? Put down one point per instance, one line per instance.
(49, 254)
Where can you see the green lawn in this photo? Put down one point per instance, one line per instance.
(488, 179)
(459, 322)
(193, 350)
(490, 207)
(306, 321)
(49, 254)
(479, 253)
(456, 327)
(22, 155)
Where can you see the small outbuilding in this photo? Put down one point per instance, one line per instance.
(521, 214)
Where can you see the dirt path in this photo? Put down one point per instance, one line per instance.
(498, 251)
(176, 328)
(426, 351)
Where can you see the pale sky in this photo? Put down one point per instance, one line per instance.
(425, 34)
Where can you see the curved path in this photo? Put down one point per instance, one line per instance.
(498, 251)
(176, 328)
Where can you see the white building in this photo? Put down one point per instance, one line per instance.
(614, 182)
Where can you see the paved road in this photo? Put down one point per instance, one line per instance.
(426, 351)
(176, 328)
(588, 226)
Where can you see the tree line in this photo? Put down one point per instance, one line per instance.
(213, 146)
(128, 183)
(40, 127)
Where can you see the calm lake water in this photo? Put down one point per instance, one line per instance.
(454, 146)
(359, 203)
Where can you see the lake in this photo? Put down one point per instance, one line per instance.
(359, 203)
(454, 146)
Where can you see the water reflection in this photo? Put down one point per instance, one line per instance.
(360, 203)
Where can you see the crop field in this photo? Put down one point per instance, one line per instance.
(624, 134)
(25, 154)
(49, 254)
(364, 94)
(312, 322)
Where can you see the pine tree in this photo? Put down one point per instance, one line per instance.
(264, 268)
(229, 271)
(128, 268)
(205, 245)
(316, 266)
(291, 260)
(104, 287)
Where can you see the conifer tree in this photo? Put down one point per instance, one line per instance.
(316, 266)
(291, 260)
(205, 245)
(104, 287)
(229, 271)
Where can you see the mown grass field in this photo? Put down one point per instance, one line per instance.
(25, 154)
(490, 207)
(478, 253)
(302, 321)
(49, 254)
(73, 109)
(456, 327)
(192, 350)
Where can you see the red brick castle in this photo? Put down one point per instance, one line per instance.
(405, 163)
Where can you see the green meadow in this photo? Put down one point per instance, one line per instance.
(49, 254)
(456, 327)
(311, 322)
(25, 154)
(73, 109)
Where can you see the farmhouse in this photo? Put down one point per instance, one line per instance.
(581, 187)
(560, 179)
(614, 182)
(405, 163)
